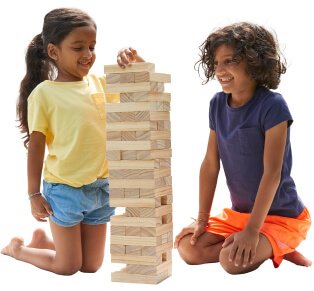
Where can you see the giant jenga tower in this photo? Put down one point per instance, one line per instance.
(139, 153)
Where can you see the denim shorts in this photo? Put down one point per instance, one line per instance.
(88, 204)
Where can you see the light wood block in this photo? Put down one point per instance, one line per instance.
(132, 202)
(133, 250)
(157, 250)
(152, 77)
(135, 87)
(134, 126)
(136, 240)
(121, 220)
(146, 155)
(113, 155)
(154, 260)
(137, 116)
(149, 270)
(145, 96)
(123, 276)
(117, 230)
(141, 145)
(117, 249)
(137, 106)
(140, 174)
(133, 164)
(141, 183)
(156, 192)
(134, 67)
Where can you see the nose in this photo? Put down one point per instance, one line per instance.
(219, 69)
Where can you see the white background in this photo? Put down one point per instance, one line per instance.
(168, 34)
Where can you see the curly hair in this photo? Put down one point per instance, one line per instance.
(252, 43)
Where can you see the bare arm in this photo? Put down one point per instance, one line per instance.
(35, 159)
(275, 142)
(208, 179)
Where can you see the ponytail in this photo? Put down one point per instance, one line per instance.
(37, 70)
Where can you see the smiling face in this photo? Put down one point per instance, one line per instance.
(75, 55)
(231, 72)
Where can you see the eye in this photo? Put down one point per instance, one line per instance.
(77, 49)
(92, 48)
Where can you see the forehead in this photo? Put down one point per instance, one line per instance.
(82, 34)
(224, 50)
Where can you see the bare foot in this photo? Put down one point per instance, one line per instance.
(13, 248)
(298, 259)
(41, 241)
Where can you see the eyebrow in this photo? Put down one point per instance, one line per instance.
(81, 41)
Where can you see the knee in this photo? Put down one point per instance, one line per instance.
(189, 253)
(228, 266)
(68, 270)
(90, 269)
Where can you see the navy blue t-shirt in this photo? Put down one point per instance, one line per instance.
(241, 137)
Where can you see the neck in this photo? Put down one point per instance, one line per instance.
(238, 99)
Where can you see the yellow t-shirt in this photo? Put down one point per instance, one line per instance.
(72, 117)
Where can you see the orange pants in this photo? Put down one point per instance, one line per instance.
(283, 233)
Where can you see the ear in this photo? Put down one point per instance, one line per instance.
(52, 51)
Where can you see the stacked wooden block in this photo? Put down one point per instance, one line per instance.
(139, 153)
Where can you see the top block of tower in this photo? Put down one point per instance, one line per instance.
(134, 67)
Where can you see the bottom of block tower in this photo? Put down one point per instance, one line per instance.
(124, 277)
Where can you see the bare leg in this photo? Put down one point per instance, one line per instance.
(93, 246)
(264, 251)
(206, 249)
(66, 260)
(40, 240)
(298, 259)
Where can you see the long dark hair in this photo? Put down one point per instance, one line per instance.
(58, 23)
(251, 42)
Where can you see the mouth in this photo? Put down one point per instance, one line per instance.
(85, 64)
(225, 80)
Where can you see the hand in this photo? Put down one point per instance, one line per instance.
(128, 55)
(196, 228)
(40, 208)
(244, 244)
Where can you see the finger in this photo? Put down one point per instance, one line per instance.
(238, 256)
(124, 57)
(131, 54)
(183, 233)
(120, 63)
(252, 256)
(232, 253)
(228, 241)
(47, 207)
(246, 257)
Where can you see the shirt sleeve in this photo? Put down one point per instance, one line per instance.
(276, 111)
(110, 97)
(36, 116)
(212, 120)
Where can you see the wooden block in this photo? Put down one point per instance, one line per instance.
(139, 174)
(151, 135)
(120, 78)
(135, 240)
(134, 67)
(156, 250)
(153, 154)
(116, 193)
(135, 87)
(113, 145)
(155, 212)
(133, 164)
(117, 249)
(164, 163)
(148, 270)
(113, 155)
(117, 230)
(133, 231)
(157, 231)
(156, 192)
(122, 220)
(155, 77)
(137, 259)
(140, 183)
(123, 276)
(167, 218)
(129, 155)
(131, 211)
(137, 116)
(114, 135)
(167, 199)
(137, 106)
(131, 192)
(145, 96)
(133, 126)
(163, 125)
(132, 202)
(133, 250)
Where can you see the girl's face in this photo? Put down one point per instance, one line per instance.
(231, 72)
(75, 55)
